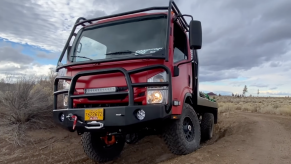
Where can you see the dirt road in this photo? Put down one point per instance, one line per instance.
(239, 138)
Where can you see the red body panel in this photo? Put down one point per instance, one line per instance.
(180, 85)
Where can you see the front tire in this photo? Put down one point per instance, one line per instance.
(183, 135)
(96, 149)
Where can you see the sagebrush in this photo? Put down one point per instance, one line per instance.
(26, 103)
(270, 105)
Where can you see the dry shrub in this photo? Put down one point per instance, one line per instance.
(285, 110)
(267, 109)
(269, 105)
(26, 104)
(225, 107)
(237, 107)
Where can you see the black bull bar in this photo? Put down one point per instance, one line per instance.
(130, 85)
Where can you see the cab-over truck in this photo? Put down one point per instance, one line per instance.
(132, 74)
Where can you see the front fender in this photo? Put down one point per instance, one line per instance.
(182, 99)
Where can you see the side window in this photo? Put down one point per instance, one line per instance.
(178, 55)
(180, 44)
(90, 48)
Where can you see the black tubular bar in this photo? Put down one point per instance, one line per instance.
(168, 83)
(168, 32)
(96, 72)
(150, 84)
(177, 12)
(56, 90)
(130, 85)
(124, 13)
(78, 20)
(172, 6)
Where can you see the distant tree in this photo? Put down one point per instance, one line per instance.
(245, 90)
(219, 95)
(232, 95)
(258, 93)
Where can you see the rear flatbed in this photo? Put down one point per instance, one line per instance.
(204, 102)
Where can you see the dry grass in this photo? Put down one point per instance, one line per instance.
(270, 105)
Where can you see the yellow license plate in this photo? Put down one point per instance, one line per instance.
(94, 114)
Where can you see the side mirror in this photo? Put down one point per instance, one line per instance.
(176, 71)
(195, 34)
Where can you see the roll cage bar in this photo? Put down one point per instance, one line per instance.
(81, 21)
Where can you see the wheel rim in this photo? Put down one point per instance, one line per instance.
(188, 129)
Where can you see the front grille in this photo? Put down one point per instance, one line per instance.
(119, 89)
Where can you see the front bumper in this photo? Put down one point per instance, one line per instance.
(114, 117)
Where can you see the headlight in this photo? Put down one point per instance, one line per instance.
(65, 100)
(66, 85)
(157, 95)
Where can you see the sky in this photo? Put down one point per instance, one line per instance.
(244, 42)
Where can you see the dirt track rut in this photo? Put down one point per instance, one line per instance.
(240, 137)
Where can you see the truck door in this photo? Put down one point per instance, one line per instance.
(181, 83)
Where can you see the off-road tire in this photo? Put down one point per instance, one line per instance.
(94, 148)
(174, 135)
(207, 126)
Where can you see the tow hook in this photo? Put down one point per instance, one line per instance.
(75, 121)
(73, 118)
(109, 139)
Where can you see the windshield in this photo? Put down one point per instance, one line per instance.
(123, 39)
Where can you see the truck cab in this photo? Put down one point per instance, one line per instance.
(130, 74)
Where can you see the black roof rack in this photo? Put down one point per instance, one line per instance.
(172, 7)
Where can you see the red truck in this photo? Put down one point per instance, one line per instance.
(130, 75)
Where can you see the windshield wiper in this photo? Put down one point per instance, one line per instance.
(82, 57)
(123, 52)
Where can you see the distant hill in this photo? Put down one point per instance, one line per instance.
(211, 94)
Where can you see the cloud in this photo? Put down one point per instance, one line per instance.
(211, 75)
(241, 39)
(238, 35)
(275, 64)
(9, 54)
(259, 85)
(12, 67)
(47, 55)
(277, 93)
(45, 24)
(14, 62)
